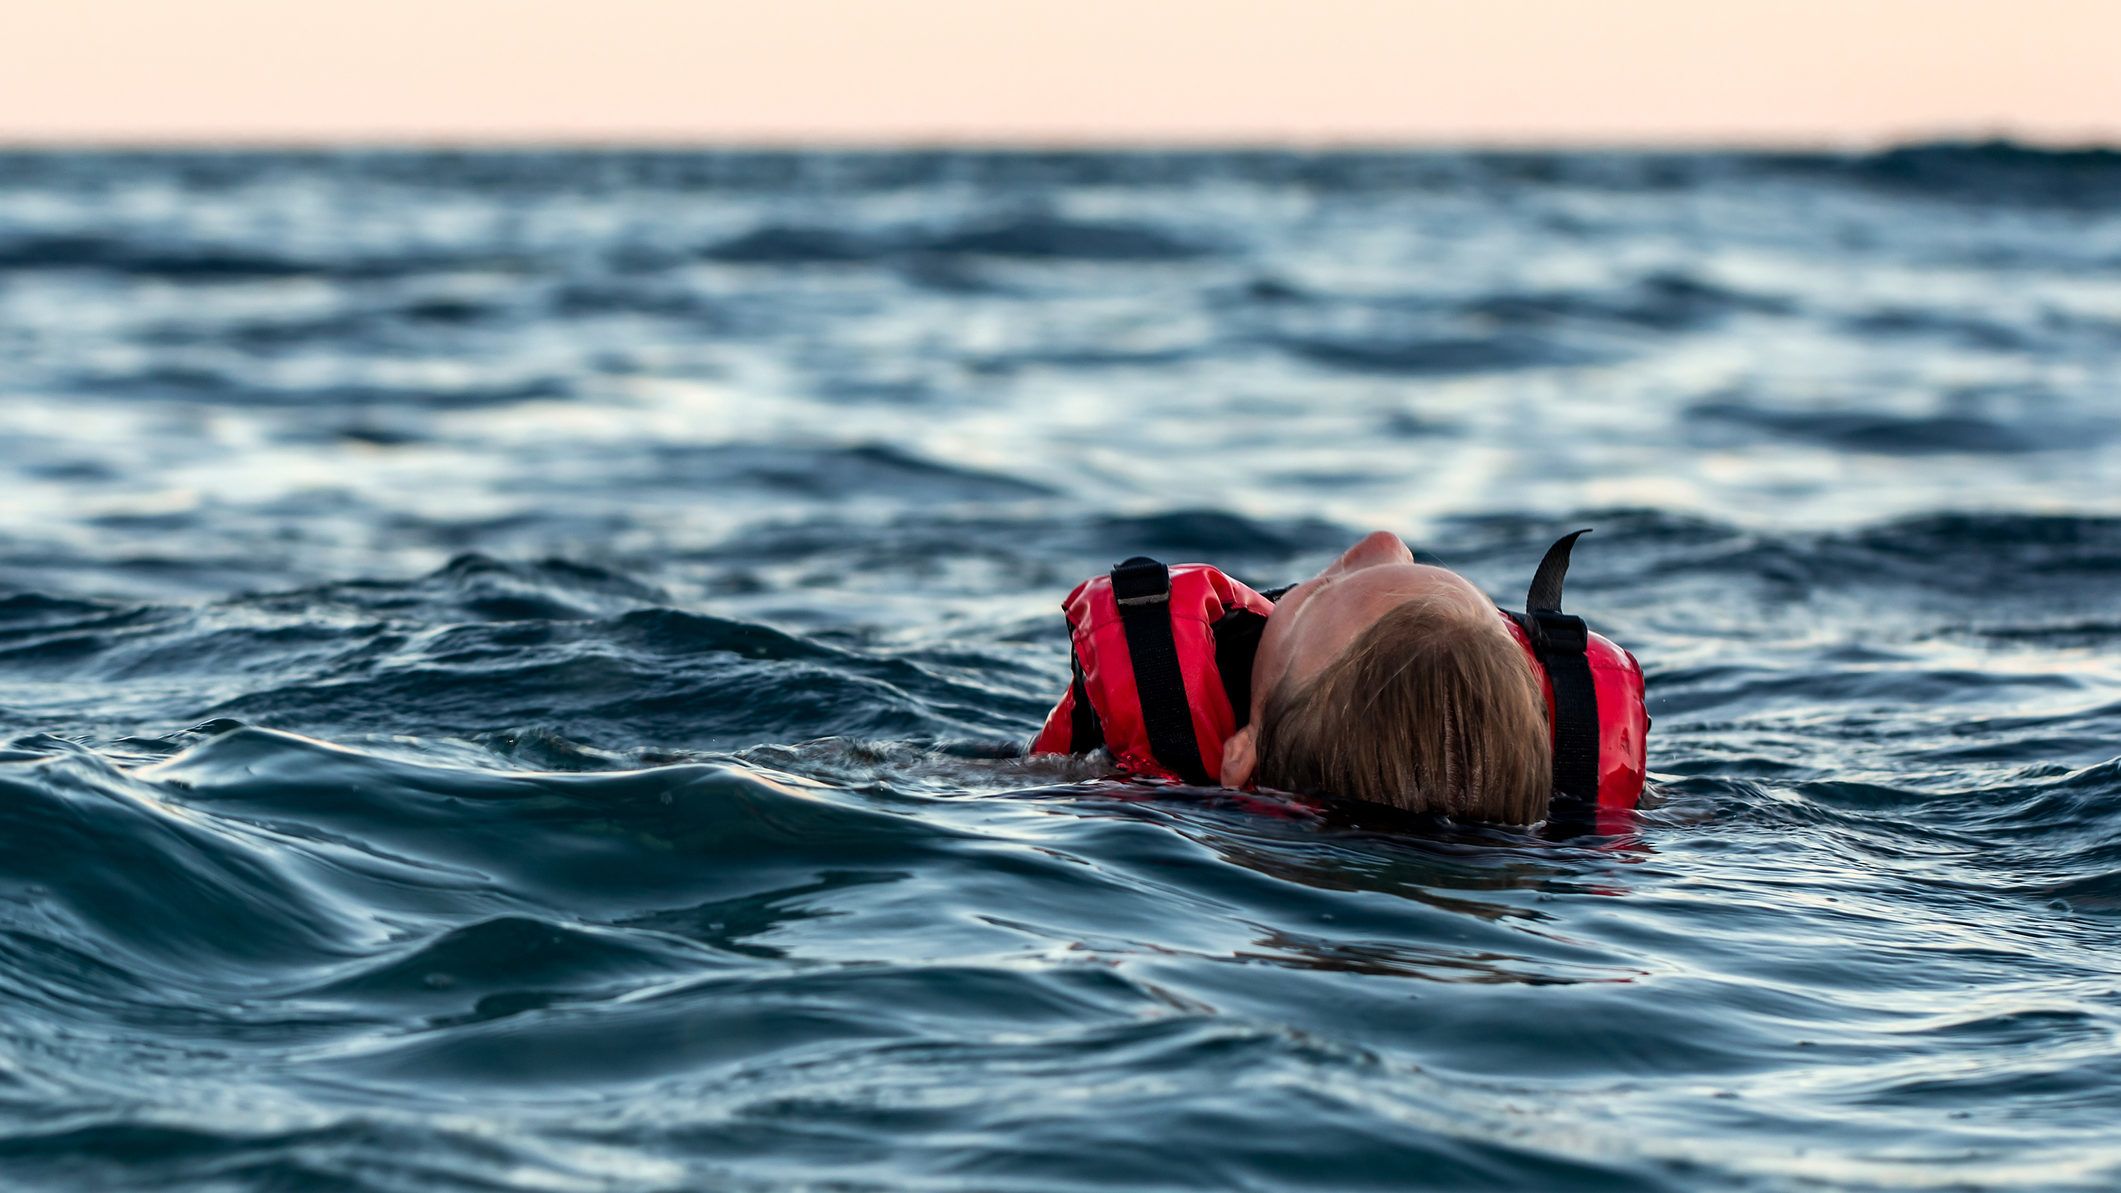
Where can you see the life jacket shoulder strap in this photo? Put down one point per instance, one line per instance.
(1237, 634)
(1595, 701)
(1141, 587)
(1559, 643)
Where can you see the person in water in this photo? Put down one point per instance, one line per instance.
(1379, 679)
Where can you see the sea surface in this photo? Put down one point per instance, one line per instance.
(513, 665)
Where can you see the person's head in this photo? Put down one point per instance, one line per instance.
(1391, 681)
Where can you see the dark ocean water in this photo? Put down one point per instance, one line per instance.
(510, 665)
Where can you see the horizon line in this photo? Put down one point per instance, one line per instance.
(1204, 142)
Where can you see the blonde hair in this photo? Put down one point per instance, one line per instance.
(1429, 710)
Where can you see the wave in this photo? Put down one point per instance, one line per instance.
(1996, 171)
(159, 892)
(1660, 301)
(1053, 238)
(843, 471)
(196, 263)
(482, 647)
(117, 256)
(1027, 237)
(1980, 553)
(796, 245)
(1884, 432)
(241, 384)
(1435, 356)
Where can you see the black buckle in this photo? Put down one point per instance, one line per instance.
(1141, 581)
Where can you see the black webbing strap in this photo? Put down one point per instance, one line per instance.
(1085, 731)
(1545, 592)
(1559, 642)
(1236, 646)
(1142, 587)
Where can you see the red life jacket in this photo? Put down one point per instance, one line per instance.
(1163, 677)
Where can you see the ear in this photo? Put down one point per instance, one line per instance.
(1239, 758)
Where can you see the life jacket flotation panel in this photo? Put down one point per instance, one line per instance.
(1163, 675)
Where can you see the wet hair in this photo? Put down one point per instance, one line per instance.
(1433, 709)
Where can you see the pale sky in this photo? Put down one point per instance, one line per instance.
(1844, 72)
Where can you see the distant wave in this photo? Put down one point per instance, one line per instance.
(2064, 171)
(203, 262)
(1039, 237)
